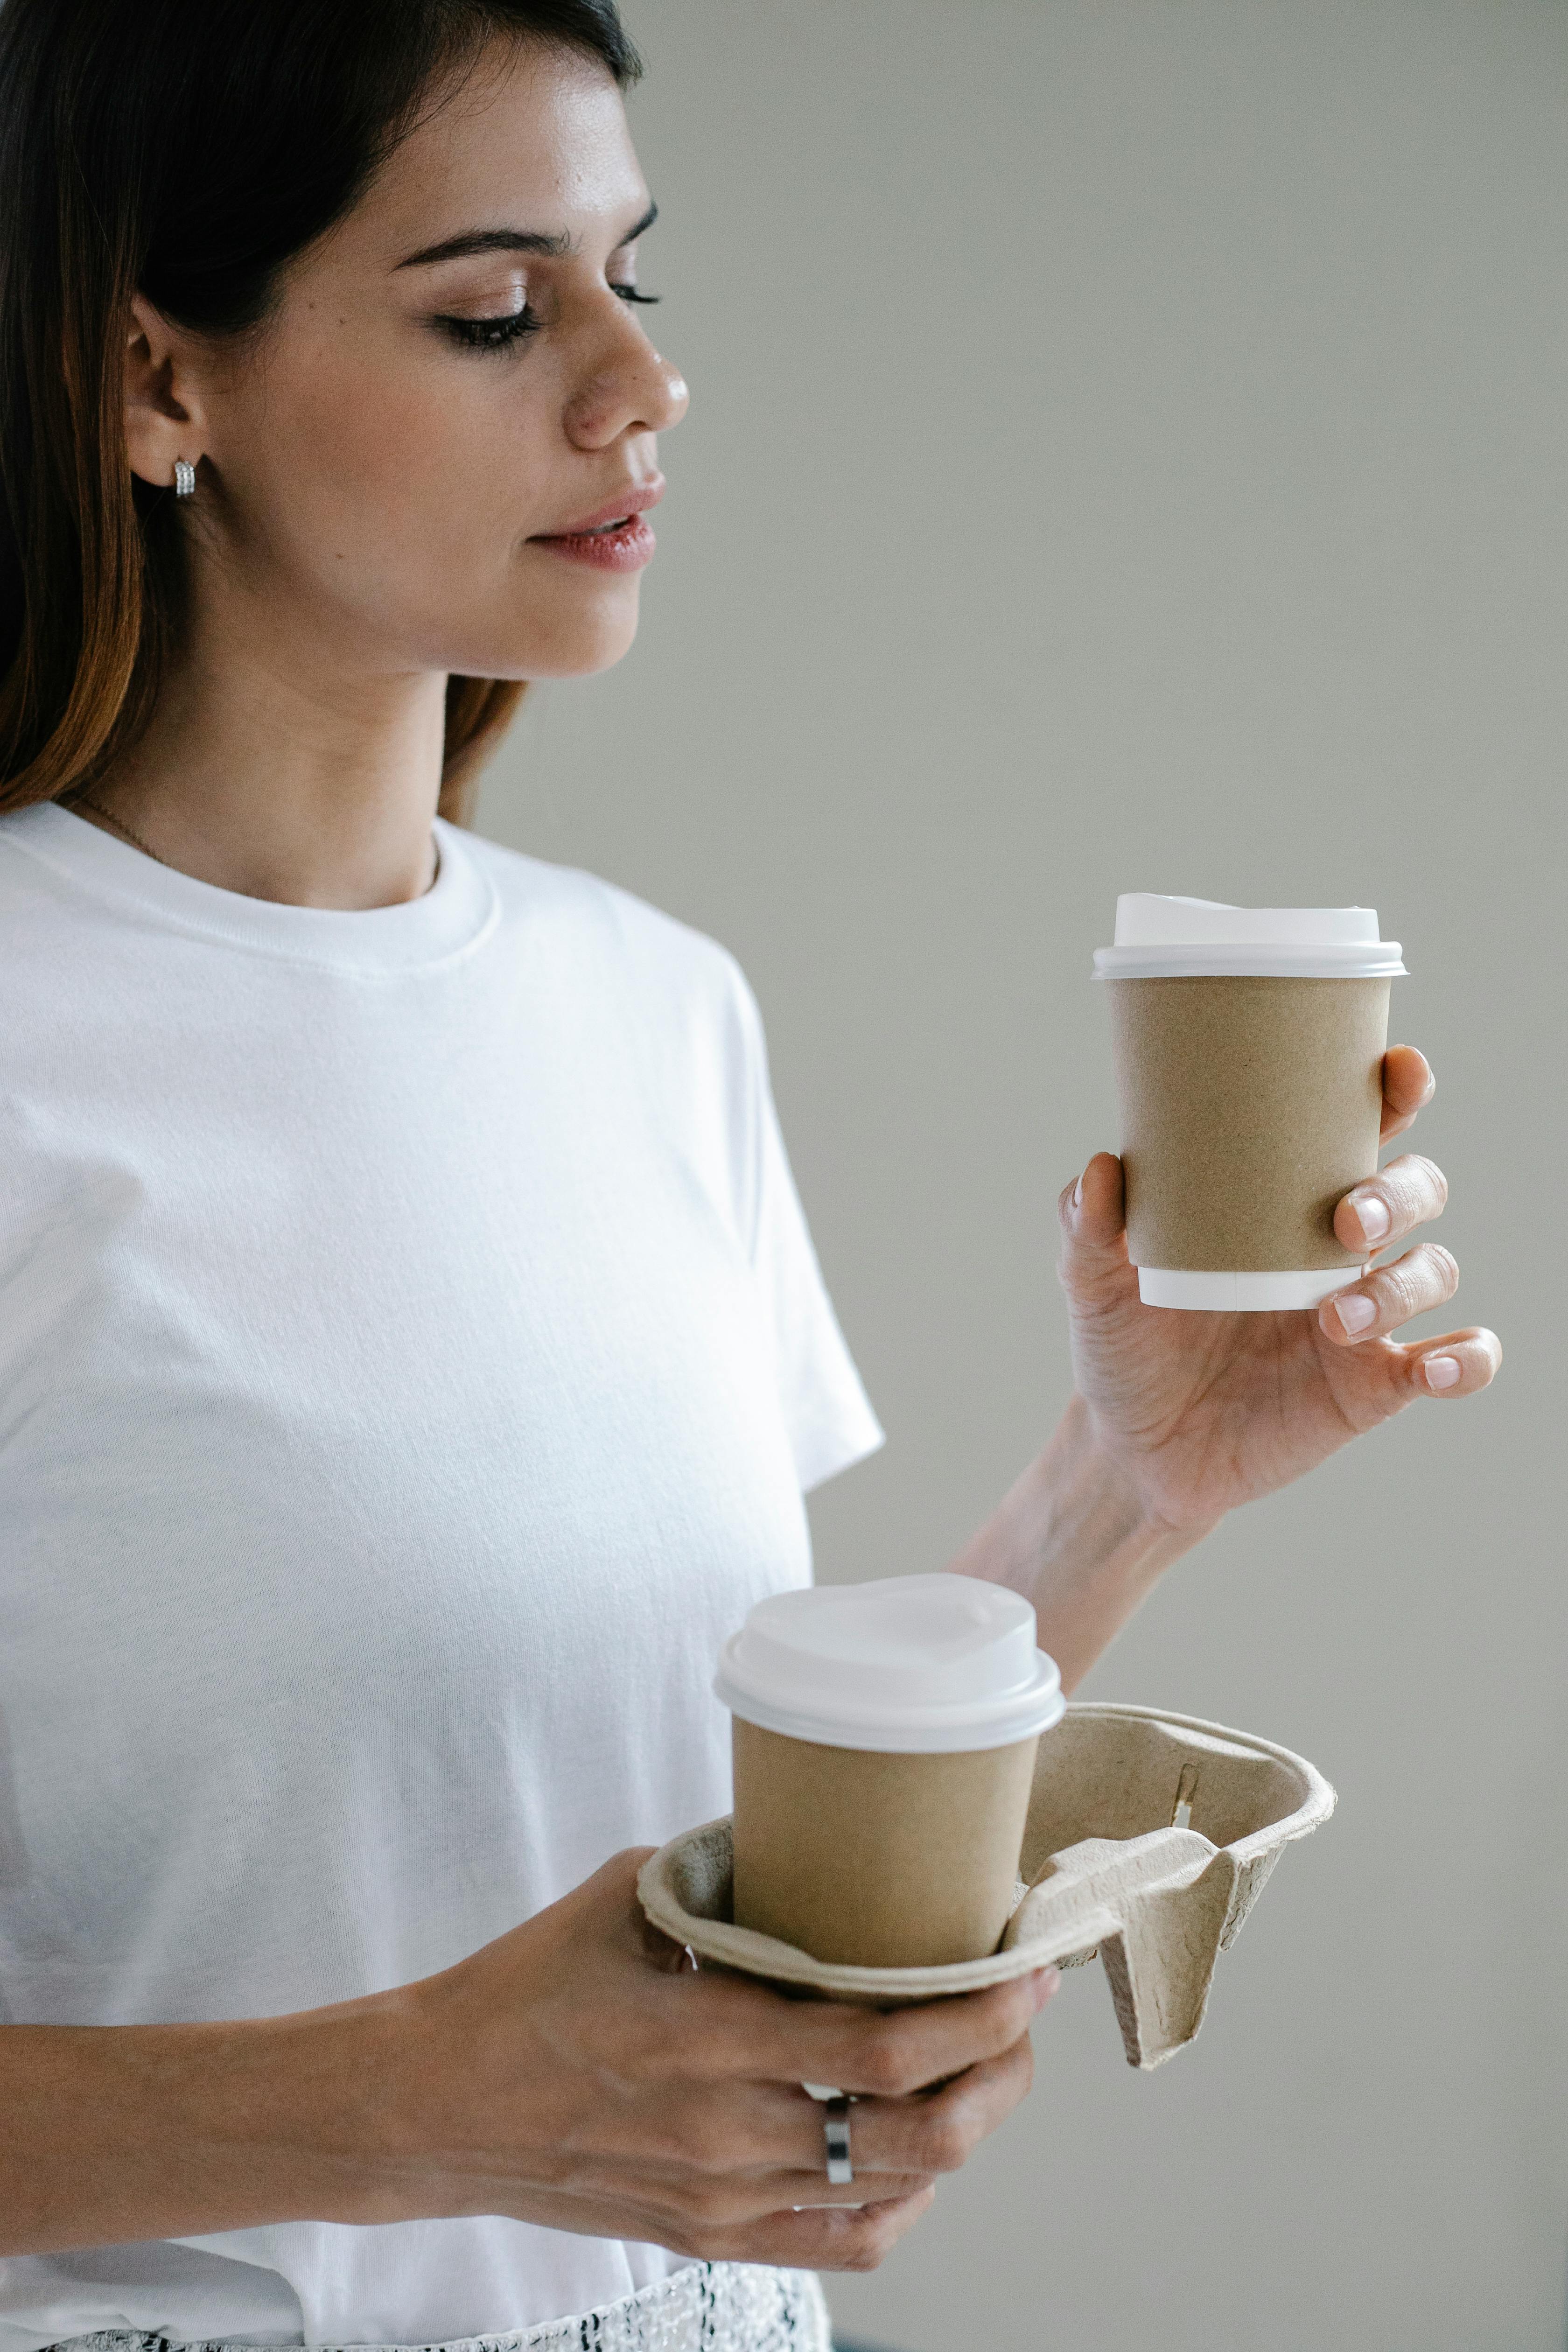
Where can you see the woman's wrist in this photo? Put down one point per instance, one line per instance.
(1075, 1537)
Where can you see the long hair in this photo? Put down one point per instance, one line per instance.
(186, 150)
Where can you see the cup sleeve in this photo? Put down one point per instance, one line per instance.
(826, 1407)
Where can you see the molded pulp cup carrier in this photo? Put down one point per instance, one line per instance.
(1249, 1045)
(1106, 1867)
(1141, 1836)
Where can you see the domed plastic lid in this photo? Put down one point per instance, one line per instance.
(909, 1664)
(1171, 939)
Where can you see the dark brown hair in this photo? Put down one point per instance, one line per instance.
(187, 149)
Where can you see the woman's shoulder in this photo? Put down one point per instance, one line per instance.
(608, 935)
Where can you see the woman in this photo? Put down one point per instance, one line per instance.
(412, 1351)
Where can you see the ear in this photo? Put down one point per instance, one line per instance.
(165, 417)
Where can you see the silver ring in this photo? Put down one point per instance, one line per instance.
(835, 2131)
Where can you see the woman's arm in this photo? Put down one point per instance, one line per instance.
(1072, 1537)
(124, 2132)
(1179, 1417)
(575, 2073)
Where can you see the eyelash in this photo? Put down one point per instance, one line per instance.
(499, 334)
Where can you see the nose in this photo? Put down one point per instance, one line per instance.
(632, 389)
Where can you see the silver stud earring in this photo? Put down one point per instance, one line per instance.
(185, 478)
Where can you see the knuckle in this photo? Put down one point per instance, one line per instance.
(1434, 1183)
(947, 2142)
(1408, 1191)
(1017, 2015)
(886, 2068)
(999, 2028)
(1399, 1291)
(1445, 1265)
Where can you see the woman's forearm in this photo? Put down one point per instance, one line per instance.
(117, 2133)
(124, 2132)
(1072, 1539)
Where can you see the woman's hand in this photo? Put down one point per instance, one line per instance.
(1198, 1412)
(578, 2073)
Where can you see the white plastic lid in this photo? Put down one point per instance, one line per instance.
(1168, 939)
(908, 1664)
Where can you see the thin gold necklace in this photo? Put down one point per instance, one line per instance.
(81, 801)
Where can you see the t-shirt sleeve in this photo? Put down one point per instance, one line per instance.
(829, 1417)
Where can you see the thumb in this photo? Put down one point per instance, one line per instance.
(1094, 1233)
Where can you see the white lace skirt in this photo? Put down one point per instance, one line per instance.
(705, 2307)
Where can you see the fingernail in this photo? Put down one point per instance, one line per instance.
(1442, 1371)
(1078, 1194)
(1046, 1983)
(1355, 1311)
(1372, 1216)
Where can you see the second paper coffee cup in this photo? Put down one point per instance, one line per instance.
(884, 1745)
(1248, 1044)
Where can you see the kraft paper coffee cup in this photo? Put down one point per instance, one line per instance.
(1248, 1044)
(884, 1745)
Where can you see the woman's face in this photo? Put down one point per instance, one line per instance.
(454, 398)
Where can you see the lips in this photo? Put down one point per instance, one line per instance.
(634, 500)
(614, 538)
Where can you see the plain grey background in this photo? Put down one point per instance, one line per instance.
(1126, 452)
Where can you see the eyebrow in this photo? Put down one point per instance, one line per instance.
(512, 240)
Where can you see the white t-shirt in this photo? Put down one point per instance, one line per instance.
(412, 1357)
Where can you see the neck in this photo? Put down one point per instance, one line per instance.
(269, 771)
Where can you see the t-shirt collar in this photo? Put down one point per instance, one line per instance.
(447, 921)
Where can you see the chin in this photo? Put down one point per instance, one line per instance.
(563, 644)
